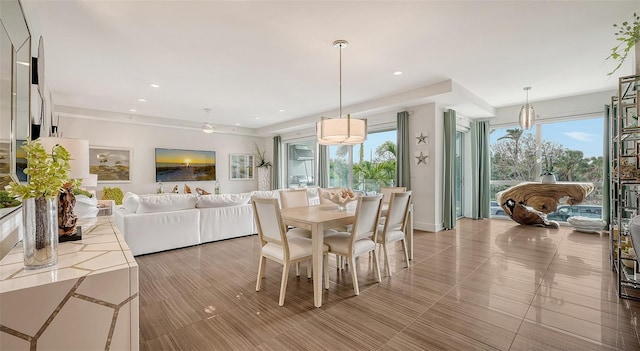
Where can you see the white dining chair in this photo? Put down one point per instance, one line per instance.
(362, 238)
(393, 228)
(295, 198)
(277, 246)
(386, 192)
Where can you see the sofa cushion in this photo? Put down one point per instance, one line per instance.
(222, 200)
(131, 201)
(167, 202)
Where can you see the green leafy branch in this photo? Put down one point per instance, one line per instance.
(47, 172)
(628, 34)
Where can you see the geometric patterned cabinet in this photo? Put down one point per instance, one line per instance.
(88, 301)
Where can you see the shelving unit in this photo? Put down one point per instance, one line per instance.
(625, 184)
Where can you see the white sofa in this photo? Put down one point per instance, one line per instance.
(153, 223)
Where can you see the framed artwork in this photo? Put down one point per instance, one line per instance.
(241, 166)
(111, 164)
(173, 165)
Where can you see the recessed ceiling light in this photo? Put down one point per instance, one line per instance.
(142, 100)
(153, 85)
(237, 124)
(281, 110)
(132, 110)
(256, 117)
(23, 63)
(397, 73)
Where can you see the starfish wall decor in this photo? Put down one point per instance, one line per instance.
(422, 139)
(422, 158)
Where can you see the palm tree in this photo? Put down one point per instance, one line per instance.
(515, 135)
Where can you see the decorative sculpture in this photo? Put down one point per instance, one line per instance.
(529, 203)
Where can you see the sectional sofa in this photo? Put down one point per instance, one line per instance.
(153, 223)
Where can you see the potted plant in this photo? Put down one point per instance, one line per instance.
(628, 35)
(548, 176)
(47, 172)
(264, 171)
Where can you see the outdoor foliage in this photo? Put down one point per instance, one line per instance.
(367, 175)
(513, 157)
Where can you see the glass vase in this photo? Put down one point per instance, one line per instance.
(40, 237)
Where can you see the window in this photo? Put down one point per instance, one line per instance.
(366, 166)
(572, 150)
(301, 164)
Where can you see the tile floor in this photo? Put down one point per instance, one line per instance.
(488, 285)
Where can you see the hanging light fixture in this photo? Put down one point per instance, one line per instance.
(341, 131)
(207, 127)
(527, 114)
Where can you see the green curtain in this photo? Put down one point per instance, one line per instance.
(449, 172)
(403, 157)
(609, 113)
(276, 177)
(481, 171)
(323, 166)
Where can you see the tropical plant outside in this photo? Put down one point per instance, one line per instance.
(368, 174)
(515, 159)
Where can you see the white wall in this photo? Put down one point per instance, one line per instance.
(143, 140)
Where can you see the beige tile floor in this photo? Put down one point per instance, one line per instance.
(488, 285)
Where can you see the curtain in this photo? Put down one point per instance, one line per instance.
(609, 113)
(449, 172)
(323, 166)
(403, 157)
(276, 177)
(481, 172)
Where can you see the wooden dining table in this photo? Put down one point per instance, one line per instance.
(317, 219)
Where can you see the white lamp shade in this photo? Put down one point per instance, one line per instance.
(341, 131)
(527, 116)
(90, 182)
(208, 128)
(79, 153)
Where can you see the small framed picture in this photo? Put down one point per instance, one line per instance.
(111, 164)
(241, 167)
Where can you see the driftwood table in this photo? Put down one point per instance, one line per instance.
(529, 203)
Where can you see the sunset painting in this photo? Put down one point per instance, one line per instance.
(185, 165)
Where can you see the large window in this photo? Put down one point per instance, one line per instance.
(366, 166)
(572, 150)
(301, 164)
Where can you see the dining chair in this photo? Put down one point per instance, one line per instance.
(386, 192)
(394, 226)
(295, 198)
(362, 238)
(277, 246)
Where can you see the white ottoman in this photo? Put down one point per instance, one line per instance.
(586, 224)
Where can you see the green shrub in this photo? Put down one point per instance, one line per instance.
(114, 194)
(77, 191)
(8, 201)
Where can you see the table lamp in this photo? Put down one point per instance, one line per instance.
(79, 169)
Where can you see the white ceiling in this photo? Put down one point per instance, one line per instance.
(248, 60)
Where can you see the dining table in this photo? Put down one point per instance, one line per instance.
(317, 219)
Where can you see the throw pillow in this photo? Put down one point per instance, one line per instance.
(131, 202)
(166, 203)
(224, 200)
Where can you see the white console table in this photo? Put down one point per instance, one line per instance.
(88, 301)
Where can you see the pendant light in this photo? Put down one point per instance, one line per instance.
(527, 114)
(341, 131)
(207, 127)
